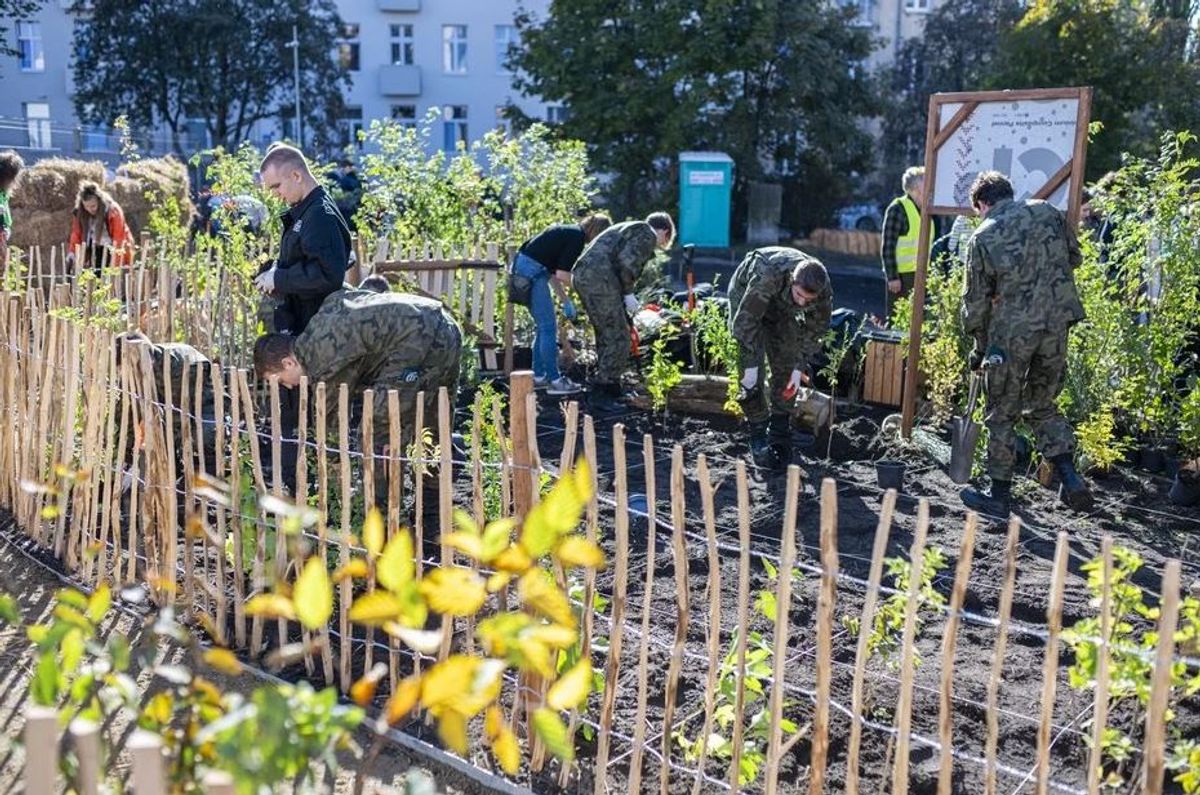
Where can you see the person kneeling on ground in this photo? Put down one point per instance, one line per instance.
(376, 341)
(780, 301)
(604, 277)
(546, 261)
(1019, 304)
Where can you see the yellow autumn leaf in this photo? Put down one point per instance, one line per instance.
(420, 640)
(453, 591)
(442, 683)
(572, 687)
(579, 552)
(313, 594)
(271, 605)
(493, 722)
(497, 536)
(507, 751)
(581, 477)
(373, 532)
(363, 691)
(555, 636)
(356, 569)
(533, 655)
(396, 566)
(452, 730)
(375, 608)
(469, 545)
(498, 580)
(223, 660)
(537, 591)
(513, 559)
(498, 632)
(403, 700)
(158, 712)
(464, 523)
(553, 733)
(559, 513)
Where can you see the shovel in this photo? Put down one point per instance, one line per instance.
(964, 433)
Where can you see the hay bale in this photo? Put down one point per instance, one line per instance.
(38, 195)
(39, 228)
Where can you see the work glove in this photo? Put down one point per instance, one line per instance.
(749, 390)
(569, 311)
(265, 281)
(631, 305)
(750, 378)
(793, 384)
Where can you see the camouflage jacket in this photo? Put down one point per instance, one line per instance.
(761, 295)
(182, 357)
(626, 247)
(1020, 273)
(370, 340)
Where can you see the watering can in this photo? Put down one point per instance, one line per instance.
(964, 433)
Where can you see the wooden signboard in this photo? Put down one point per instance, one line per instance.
(1036, 137)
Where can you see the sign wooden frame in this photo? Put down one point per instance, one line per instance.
(936, 136)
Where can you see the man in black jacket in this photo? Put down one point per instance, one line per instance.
(314, 252)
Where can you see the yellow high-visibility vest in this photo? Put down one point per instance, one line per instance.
(906, 244)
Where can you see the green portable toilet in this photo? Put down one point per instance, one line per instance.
(705, 194)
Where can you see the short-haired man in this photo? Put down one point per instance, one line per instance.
(314, 251)
(370, 340)
(780, 301)
(1019, 303)
(901, 228)
(10, 168)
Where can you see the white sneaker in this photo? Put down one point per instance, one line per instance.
(540, 382)
(563, 386)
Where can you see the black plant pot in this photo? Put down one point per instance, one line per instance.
(890, 474)
(1152, 459)
(1185, 489)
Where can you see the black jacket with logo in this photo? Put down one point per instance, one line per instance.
(314, 254)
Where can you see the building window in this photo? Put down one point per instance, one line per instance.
(349, 126)
(347, 47)
(917, 6)
(556, 114)
(502, 120)
(94, 138)
(37, 120)
(454, 49)
(402, 45)
(454, 126)
(506, 41)
(406, 115)
(29, 45)
(863, 11)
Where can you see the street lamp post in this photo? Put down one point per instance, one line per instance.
(294, 45)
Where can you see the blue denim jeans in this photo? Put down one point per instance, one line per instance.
(545, 324)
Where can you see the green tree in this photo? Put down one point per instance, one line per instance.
(775, 83)
(225, 62)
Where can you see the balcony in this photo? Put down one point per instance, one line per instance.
(399, 5)
(396, 80)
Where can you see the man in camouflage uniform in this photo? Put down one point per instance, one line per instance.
(780, 300)
(604, 277)
(1019, 302)
(370, 340)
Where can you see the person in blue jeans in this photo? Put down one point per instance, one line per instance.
(547, 259)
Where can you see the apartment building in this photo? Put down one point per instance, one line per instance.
(406, 57)
(893, 22)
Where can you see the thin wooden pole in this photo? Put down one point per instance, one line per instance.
(258, 573)
(322, 439)
(301, 497)
(826, 603)
(1160, 687)
(366, 435)
(612, 668)
(85, 736)
(520, 387)
(277, 492)
(682, 613)
(867, 618)
(344, 674)
(1100, 711)
(783, 605)
(907, 664)
(639, 722)
(395, 498)
(997, 671)
(445, 502)
(41, 750)
(1050, 664)
(949, 642)
(743, 623)
(149, 764)
(714, 613)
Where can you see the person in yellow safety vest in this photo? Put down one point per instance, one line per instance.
(901, 227)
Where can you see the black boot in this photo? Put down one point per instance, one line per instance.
(1073, 491)
(606, 399)
(781, 438)
(997, 501)
(760, 446)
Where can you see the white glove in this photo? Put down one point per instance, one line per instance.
(750, 378)
(631, 305)
(265, 281)
(794, 382)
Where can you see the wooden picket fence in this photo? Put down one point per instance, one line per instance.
(68, 402)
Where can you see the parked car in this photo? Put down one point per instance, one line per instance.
(860, 216)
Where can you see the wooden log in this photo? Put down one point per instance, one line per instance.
(694, 394)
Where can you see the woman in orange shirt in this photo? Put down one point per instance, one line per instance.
(98, 225)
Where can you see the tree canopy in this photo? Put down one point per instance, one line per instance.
(773, 83)
(223, 62)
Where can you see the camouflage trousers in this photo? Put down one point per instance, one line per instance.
(783, 354)
(600, 292)
(1026, 386)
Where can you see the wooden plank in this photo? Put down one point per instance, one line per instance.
(957, 120)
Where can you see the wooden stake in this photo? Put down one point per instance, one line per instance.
(904, 707)
(520, 387)
(85, 736)
(679, 556)
(445, 502)
(366, 435)
(997, 672)
(743, 608)
(783, 604)
(395, 498)
(962, 573)
(825, 610)
(1160, 688)
(41, 750)
(344, 678)
(1050, 664)
(639, 721)
(1100, 711)
(149, 764)
(714, 614)
(322, 439)
(277, 492)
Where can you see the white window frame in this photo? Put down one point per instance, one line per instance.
(863, 16)
(918, 6)
(350, 124)
(503, 46)
(456, 125)
(556, 114)
(31, 49)
(454, 49)
(38, 124)
(403, 44)
(349, 46)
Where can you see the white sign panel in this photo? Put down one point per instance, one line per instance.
(706, 178)
(1029, 140)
